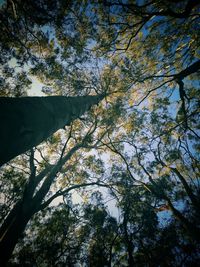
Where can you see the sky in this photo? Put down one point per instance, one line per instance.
(36, 88)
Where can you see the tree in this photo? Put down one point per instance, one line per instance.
(70, 235)
(147, 238)
(130, 29)
(103, 233)
(59, 242)
(36, 189)
(23, 48)
(161, 175)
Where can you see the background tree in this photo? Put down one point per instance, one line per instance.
(58, 242)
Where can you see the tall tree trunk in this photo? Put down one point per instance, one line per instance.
(192, 230)
(128, 243)
(13, 229)
(27, 121)
(194, 199)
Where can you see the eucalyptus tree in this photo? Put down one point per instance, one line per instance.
(157, 45)
(52, 170)
(139, 232)
(59, 241)
(103, 245)
(70, 235)
(148, 230)
(167, 162)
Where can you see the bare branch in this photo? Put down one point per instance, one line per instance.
(66, 191)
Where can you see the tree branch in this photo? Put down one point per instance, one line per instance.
(66, 191)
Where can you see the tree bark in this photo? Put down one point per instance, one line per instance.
(13, 228)
(128, 241)
(192, 230)
(27, 121)
(193, 197)
(188, 71)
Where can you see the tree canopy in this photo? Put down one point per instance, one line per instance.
(113, 184)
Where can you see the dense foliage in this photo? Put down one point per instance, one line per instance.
(120, 185)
